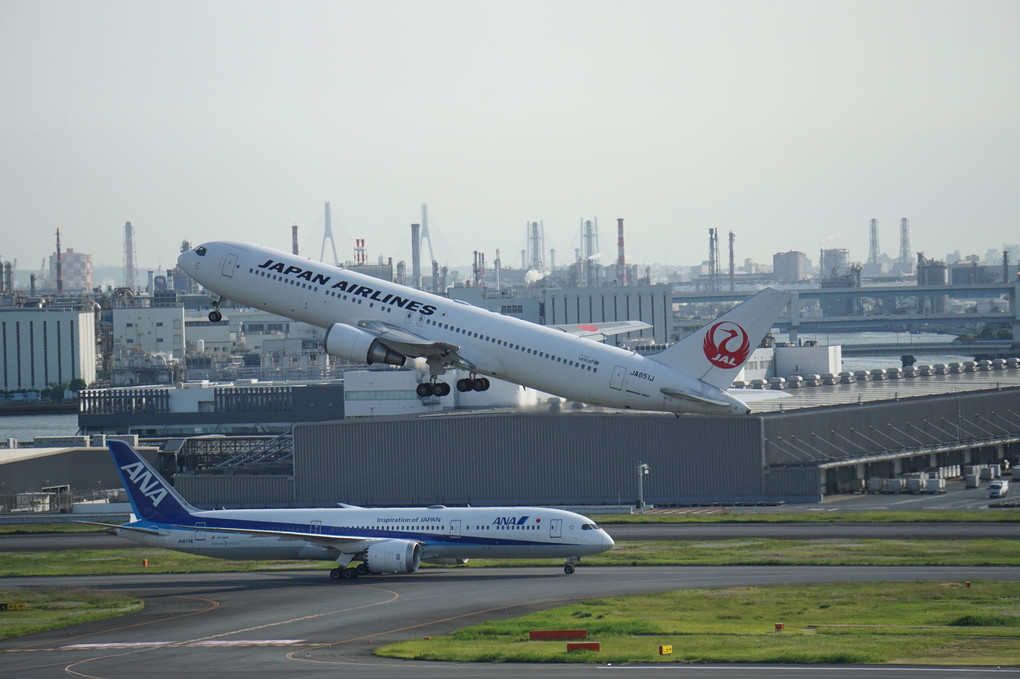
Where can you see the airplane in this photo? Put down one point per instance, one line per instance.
(369, 320)
(390, 540)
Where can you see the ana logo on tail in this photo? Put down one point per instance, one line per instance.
(149, 486)
(726, 345)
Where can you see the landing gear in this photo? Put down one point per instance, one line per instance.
(363, 569)
(472, 384)
(569, 567)
(426, 389)
(349, 573)
(215, 316)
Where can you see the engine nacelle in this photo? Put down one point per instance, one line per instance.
(393, 556)
(447, 562)
(348, 342)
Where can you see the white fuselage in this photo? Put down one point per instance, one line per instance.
(444, 533)
(494, 345)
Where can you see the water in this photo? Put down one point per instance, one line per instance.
(900, 338)
(27, 427)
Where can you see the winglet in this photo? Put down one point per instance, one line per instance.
(152, 498)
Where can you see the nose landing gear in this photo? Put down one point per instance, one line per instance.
(215, 316)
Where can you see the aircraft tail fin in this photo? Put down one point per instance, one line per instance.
(152, 498)
(715, 353)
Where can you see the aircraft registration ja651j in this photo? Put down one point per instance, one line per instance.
(369, 320)
(382, 540)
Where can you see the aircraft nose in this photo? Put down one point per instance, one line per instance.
(607, 541)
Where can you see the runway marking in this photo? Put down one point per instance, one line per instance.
(178, 644)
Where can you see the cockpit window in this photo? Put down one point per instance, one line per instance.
(589, 526)
(200, 251)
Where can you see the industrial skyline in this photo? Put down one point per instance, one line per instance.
(790, 124)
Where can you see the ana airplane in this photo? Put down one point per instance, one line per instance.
(382, 540)
(375, 321)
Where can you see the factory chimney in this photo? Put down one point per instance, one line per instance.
(733, 276)
(293, 240)
(873, 253)
(129, 256)
(60, 272)
(621, 262)
(416, 256)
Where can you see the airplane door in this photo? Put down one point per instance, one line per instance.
(316, 527)
(229, 264)
(455, 528)
(200, 531)
(556, 528)
(619, 372)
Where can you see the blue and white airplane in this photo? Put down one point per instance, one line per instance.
(369, 320)
(393, 540)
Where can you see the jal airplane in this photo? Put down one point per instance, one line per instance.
(369, 320)
(380, 540)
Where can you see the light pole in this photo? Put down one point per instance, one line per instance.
(642, 472)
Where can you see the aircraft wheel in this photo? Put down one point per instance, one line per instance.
(442, 388)
(335, 574)
(215, 316)
(464, 385)
(424, 390)
(486, 381)
(363, 569)
(350, 573)
(480, 384)
(568, 569)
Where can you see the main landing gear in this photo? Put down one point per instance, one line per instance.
(433, 388)
(472, 384)
(350, 572)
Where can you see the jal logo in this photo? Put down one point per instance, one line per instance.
(147, 484)
(726, 345)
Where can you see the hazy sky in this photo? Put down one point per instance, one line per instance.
(791, 124)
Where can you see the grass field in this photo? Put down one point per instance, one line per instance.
(899, 623)
(46, 609)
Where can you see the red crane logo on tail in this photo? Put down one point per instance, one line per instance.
(726, 345)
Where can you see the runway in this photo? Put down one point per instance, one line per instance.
(301, 624)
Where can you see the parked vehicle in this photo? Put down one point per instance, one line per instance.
(998, 488)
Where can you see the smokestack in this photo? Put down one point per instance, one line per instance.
(733, 282)
(129, 256)
(621, 262)
(293, 240)
(416, 256)
(60, 272)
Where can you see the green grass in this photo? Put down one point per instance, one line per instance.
(131, 560)
(49, 609)
(743, 552)
(883, 623)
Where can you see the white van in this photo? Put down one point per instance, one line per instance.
(998, 488)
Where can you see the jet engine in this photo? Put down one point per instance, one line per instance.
(348, 342)
(393, 556)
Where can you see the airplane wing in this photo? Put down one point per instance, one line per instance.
(406, 342)
(137, 529)
(342, 543)
(600, 331)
